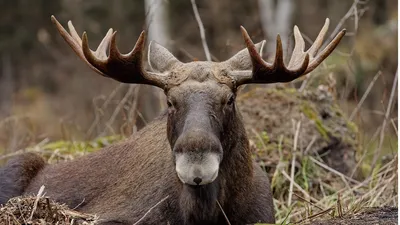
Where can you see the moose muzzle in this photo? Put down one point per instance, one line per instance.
(197, 157)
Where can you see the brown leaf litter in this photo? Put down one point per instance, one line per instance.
(41, 211)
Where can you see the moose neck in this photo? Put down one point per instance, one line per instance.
(199, 204)
(236, 169)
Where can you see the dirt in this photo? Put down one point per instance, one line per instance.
(271, 115)
(371, 216)
(23, 211)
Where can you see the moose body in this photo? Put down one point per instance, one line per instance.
(193, 164)
(120, 183)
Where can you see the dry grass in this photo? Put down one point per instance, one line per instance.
(305, 188)
(318, 191)
(346, 199)
(40, 210)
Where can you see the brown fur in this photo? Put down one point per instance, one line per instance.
(16, 176)
(121, 182)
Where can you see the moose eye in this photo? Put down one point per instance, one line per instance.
(169, 103)
(231, 100)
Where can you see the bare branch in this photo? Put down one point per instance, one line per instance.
(201, 28)
(292, 170)
(365, 95)
(226, 217)
(158, 203)
(378, 151)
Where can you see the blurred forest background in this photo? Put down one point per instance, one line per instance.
(46, 92)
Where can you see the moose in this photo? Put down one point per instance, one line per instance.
(193, 162)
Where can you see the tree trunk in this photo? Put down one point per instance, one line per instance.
(151, 98)
(276, 19)
(6, 86)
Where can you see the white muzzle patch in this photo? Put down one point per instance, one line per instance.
(194, 171)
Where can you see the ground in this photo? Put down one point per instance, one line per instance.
(270, 116)
(371, 216)
(277, 120)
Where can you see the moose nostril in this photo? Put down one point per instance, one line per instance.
(197, 180)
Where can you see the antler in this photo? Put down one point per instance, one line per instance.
(126, 68)
(300, 63)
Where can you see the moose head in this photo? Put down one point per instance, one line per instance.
(203, 122)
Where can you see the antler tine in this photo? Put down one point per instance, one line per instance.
(298, 51)
(278, 63)
(90, 56)
(326, 52)
(73, 41)
(101, 51)
(291, 71)
(319, 40)
(315, 59)
(300, 63)
(264, 72)
(114, 51)
(73, 33)
(127, 68)
(255, 57)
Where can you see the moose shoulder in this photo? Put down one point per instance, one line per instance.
(193, 161)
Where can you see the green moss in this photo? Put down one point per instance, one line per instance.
(313, 115)
(265, 137)
(305, 172)
(291, 90)
(321, 129)
(338, 112)
(78, 147)
(352, 126)
(308, 111)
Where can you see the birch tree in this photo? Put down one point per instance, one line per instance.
(152, 100)
(276, 18)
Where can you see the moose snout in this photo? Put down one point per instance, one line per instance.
(197, 172)
(197, 156)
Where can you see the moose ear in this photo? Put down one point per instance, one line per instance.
(160, 59)
(242, 60)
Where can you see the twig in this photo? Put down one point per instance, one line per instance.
(352, 10)
(119, 108)
(96, 121)
(378, 195)
(378, 151)
(394, 126)
(365, 151)
(49, 211)
(38, 196)
(371, 84)
(296, 137)
(339, 206)
(201, 28)
(298, 186)
(310, 145)
(83, 200)
(222, 210)
(334, 171)
(389, 167)
(309, 202)
(132, 115)
(314, 216)
(158, 203)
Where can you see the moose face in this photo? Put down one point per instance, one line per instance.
(201, 110)
(199, 113)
